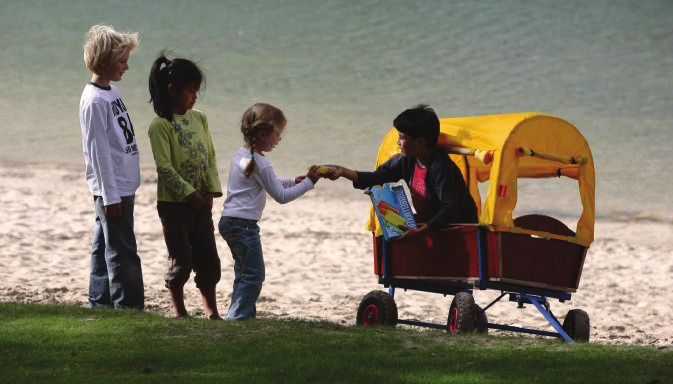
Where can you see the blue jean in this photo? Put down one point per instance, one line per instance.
(242, 236)
(116, 278)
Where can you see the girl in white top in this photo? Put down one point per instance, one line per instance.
(251, 177)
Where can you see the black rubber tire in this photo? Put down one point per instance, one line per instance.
(576, 325)
(462, 315)
(377, 308)
(481, 318)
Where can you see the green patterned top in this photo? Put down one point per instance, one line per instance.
(185, 158)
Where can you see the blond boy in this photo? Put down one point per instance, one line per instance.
(112, 171)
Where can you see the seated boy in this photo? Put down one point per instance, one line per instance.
(438, 191)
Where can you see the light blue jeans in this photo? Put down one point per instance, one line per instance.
(242, 236)
(116, 278)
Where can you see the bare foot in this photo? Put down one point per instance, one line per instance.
(181, 315)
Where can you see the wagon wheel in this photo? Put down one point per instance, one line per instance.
(481, 318)
(377, 308)
(462, 314)
(576, 325)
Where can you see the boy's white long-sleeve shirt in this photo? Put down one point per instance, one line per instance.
(109, 144)
(246, 196)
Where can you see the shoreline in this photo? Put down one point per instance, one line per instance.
(318, 258)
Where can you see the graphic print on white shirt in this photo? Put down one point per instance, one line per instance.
(124, 125)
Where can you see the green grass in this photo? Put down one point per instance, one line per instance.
(67, 344)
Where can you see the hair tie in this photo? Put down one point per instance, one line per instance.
(252, 155)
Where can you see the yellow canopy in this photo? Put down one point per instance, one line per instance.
(503, 148)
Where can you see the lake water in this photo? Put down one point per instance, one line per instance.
(342, 70)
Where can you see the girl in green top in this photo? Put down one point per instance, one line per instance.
(187, 181)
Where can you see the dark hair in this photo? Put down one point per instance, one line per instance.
(259, 117)
(420, 121)
(178, 72)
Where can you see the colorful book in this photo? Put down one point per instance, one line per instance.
(392, 205)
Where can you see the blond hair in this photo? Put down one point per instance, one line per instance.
(103, 45)
(260, 117)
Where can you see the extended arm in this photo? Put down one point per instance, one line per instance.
(282, 192)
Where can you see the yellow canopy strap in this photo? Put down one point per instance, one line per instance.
(553, 156)
(481, 155)
(544, 235)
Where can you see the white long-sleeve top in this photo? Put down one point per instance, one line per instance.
(246, 196)
(109, 144)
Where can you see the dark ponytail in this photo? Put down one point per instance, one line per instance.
(159, 96)
(178, 72)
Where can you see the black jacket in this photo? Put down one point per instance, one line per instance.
(446, 193)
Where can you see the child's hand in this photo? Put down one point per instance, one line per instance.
(326, 171)
(313, 174)
(299, 179)
(410, 232)
(336, 171)
(196, 201)
(208, 206)
(113, 210)
(322, 170)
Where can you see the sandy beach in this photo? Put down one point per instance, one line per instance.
(318, 257)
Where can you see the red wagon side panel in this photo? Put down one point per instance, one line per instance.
(449, 254)
(535, 261)
(453, 255)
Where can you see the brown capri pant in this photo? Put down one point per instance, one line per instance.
(190, 239)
